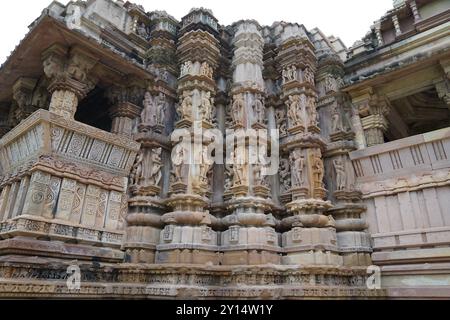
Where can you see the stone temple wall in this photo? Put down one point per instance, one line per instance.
(238, 164)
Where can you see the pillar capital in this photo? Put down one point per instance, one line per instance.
(23, 95)
(70, 78)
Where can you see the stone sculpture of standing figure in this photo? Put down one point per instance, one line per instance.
(341, 179)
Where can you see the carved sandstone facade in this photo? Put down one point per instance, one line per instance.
(187, 156)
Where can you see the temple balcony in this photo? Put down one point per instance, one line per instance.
(406, 187)
(65, 181)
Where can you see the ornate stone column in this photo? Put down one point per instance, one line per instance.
(188, 236)
(250, 238)
(372, 111)
(337, 128)
(125, 104)
(311, 238)
(70, 78)
(149, 181)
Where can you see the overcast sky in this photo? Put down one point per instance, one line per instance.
(348, 19)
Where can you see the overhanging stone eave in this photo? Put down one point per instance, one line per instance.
(385, 77)
(25, 60)
(440, 33)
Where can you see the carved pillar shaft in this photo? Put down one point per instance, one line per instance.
(352, 239)
(415, 11)
(398, 31)
(250, 237)
(187, 236)
(311, 235)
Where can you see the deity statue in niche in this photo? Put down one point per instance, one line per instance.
(239, 167)
(336, 123)
(205, 165)
(206, 70)
(295, 111)
(258, 177)
(161, 107)
(185, 108)
(280, 115)
(178, 162)
(313, 115)
(206, 106)
(318, 169)
(258, 109)
(142, 30)
(136, 171)
(285, 175)
(341, 177)
(148, 115)
(155, 173)
(297, 164)
(237, 108)
(186, 68)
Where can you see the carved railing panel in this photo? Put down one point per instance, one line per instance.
(406, 186)
(64, 180)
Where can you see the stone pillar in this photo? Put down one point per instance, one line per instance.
(372, 111)
(188, 236)
(398, 31)
(378, 34)
(311, 238)
(353, 241)
(125, 106)
(251, 237)
(415, 11)
(70, 79)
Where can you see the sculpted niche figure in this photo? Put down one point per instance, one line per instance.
(258, 109)
(206, 106)
(206, 165)
(186, 68)
(161, 106)
(206, 70)
(148, 115)
(285, 175)
(136, 171)
(298, 163)
(336, 124)
(185, 108)
(318, 170)
(178, 162)
(341, 178)
(313, 115)
(237, 108)
(239, 167)
(295, 107)
(280, 115)
(155, 174)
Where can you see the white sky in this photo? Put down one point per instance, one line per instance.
(348, 19)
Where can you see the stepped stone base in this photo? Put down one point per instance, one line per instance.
(22, 277)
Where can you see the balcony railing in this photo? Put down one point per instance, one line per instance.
(406, 186)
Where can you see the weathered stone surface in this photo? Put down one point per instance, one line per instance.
(194, 160)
